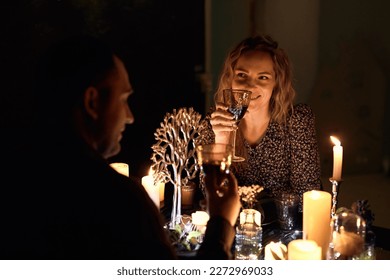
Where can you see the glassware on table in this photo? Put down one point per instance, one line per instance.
(249, 235)
(369, 251)
(214, 161)
(287, 207)
(347, 236)
(237, 101)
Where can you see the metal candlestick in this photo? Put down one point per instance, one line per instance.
(335, 190)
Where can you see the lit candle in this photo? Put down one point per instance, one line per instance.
(300, 249)
(275, 251)
(161, 187)
(121, 167)
(316, 218)
(152, 189)
(200, 219)
(337, 158)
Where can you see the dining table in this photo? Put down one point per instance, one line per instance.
(271, 232)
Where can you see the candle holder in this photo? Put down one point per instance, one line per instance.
(335, 190)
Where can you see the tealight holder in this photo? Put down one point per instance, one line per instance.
(335, 191)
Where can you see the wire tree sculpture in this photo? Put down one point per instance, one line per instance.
(174, 157)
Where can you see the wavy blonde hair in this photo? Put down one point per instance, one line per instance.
(283, 94)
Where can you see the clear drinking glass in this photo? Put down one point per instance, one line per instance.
(237, 101)
(347, 236)
(287, 206)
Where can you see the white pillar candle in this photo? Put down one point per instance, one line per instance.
(161, 187)
(152, 189)
(316, 218)
(200, 218)
(337, 159)
(121, 167)
(300, 249)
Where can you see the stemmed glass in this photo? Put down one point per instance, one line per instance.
(237, 101)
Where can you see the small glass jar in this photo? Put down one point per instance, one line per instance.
(249, 235)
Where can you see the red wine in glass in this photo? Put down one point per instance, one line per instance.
(214, 161)
(238, 112)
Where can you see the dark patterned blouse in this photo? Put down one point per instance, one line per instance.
(286, 159)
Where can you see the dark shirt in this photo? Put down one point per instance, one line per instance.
(66, 202)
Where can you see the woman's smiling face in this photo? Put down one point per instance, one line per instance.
(254, 71)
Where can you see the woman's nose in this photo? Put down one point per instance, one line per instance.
(250, 83)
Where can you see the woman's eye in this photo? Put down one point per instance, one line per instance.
(241, 75)
(263, 78)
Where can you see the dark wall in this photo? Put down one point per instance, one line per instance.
(351, 96)
(161, 43)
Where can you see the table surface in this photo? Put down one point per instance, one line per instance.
(272, 232)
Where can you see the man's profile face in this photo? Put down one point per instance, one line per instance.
(114, 112)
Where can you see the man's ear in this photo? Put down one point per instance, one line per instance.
(91, 102)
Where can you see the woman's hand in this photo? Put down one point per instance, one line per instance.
(222, 123)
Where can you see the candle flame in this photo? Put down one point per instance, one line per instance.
(335, 141)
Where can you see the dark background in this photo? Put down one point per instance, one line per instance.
(161, 43)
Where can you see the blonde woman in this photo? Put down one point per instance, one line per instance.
(276, 136)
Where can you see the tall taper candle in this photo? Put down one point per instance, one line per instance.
(316, 218)
(337, 159)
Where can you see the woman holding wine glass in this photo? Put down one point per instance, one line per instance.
(276, 137)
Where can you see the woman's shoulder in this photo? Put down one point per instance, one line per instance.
(302, 111)
(303, 108)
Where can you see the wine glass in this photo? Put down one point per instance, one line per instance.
(214, 161)
(237, 101)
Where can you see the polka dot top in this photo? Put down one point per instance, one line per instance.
(285, 160)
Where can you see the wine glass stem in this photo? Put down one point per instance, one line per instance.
(234, 142)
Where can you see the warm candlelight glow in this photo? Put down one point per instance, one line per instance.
(121, 167)
(152, 189)
(200, 218)
(160, 185)
(275, 251)
(255, 216)
(337, 158)
(316, 218)
(300, 249)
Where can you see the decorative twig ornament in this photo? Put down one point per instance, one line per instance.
(174, 156)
